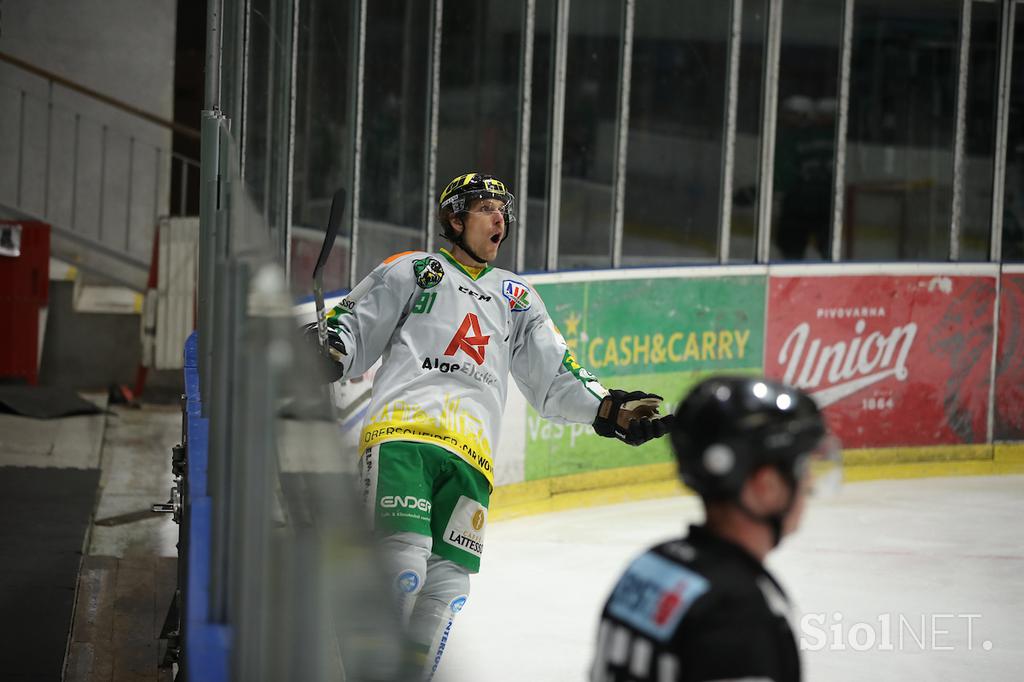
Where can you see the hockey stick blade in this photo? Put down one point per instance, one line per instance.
(333, 224)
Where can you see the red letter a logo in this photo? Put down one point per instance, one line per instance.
(474, 345)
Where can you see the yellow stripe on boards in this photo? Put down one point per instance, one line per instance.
(654, 481)
(934, 453)
(503, 507)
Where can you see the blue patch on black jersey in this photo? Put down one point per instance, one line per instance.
(655, 594)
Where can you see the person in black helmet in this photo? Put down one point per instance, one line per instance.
(703, 607)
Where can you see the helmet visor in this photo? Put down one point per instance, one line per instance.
(460, 203)
(824, 464)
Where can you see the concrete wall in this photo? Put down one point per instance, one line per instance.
(121, 48)
(78, 350)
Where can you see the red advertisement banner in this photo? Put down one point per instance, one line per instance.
(895, 360)
(1009, 412)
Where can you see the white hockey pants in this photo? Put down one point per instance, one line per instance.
(430, 590)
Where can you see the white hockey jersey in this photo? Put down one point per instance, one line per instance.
(450, 340)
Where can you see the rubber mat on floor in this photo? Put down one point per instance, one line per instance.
(44, 517)
(44, 402)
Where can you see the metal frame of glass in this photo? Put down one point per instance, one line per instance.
(434, 104)
(547, 226)
(358, 68)
(961, 126)
(622, 130)
(236, 397)
(769, 117)
(523, 137)
(729, 151)
(557, 131)
(1006, 28)
(842, 122)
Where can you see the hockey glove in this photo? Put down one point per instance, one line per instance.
(330, 364)
(631, 417)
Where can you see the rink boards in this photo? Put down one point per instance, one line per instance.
(919, 367)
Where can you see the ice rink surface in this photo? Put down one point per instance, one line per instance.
(909, 580)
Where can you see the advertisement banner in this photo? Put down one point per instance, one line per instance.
(1009, 402)
(895, 360)
(659, 335)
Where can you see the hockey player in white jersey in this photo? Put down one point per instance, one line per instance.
(451, 328)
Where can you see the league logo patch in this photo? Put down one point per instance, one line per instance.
(429, 272)
(457, 604)
(517, 294)
(408, 581)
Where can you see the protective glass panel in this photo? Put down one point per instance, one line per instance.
(480, 81)
(323, 139)
(806, 130)
(591, 122)
(255, 115)
(980, 130)
(745, 189)
(288, 541)
(1013, 208)
(292, 572)
(395, 117)
(899, 159)
(264, 118)
(676, 131)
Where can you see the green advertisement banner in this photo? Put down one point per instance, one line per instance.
(657, 335)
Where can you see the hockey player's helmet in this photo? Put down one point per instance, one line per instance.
(463, 190)
(728, 427)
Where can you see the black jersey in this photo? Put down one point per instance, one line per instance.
(696, 609)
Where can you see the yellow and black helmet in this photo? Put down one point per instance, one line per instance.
(466, 188)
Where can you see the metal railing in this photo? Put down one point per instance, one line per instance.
(100, 171)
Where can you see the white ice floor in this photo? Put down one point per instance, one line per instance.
(941, 561)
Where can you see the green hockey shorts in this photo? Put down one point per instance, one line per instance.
(423, 488)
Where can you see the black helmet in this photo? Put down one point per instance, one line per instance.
(728, 427)
(466, 188)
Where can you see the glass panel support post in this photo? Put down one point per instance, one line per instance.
(842, 124)
(729, 145)
(963, 58)
(358, 71)
(561, 58)
(1006, 31)
(769, 117)
(622, 131)
(434, 108)
(523, 142)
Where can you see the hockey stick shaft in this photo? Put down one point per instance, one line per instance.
(333, 225)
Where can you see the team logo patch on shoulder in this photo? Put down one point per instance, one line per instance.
(429, 272)
(517, 294)
(655, 594)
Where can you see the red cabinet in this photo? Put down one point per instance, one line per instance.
(24, 291)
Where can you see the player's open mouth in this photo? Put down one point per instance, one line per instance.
(495, 238)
